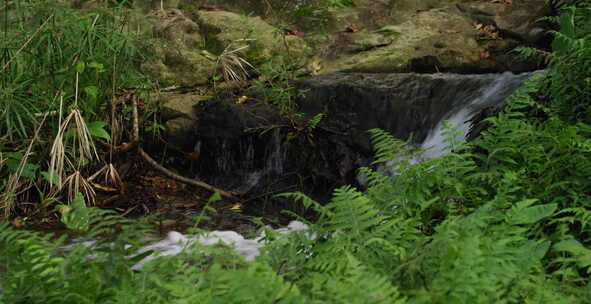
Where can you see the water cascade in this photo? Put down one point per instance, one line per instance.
(251, 148)
(460, 118)
(403, 104)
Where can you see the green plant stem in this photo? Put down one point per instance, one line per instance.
(7, 64)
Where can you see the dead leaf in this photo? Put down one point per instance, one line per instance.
(236, 208)
(242, 99)
(484, 55)
(194, 156)
(18, 223)
(295, 33)
(314, 67)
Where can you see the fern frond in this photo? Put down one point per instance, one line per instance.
(351, 214)
(386, 147)
(356, 285)
(304, 200)
(372, 178)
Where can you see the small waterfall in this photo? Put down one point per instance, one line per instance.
(276, 155)
(503, 86)
(237, 156)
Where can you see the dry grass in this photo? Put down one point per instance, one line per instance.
(81, 148)
(234, 66)
(77, 183)
(8, 197)
(110, 176)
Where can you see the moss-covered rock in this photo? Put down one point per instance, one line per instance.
(435, 39)
(175, 55)
(372, 36)
(235, 30)
(174, 105)
(432, 35)
(178, 113)
(185, 46)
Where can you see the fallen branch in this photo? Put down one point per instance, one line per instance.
(163, 170)
(120, 149)
(182, 179)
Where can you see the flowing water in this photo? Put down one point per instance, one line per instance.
(405, 105)
(459, 119)
(427, 101)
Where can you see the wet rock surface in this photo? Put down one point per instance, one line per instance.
(250, 148)
(175, 243)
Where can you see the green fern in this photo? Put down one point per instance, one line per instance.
(386, 147)
(355, 285)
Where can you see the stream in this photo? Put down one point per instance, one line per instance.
(406, 105)
(251, 149)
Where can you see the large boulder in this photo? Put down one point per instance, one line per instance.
(249, 146)
(433, 35)
(175, 57)
(372, 36)
(178, 113)
(185, 47)
(433, 39)
(522, 20)
(264, 41)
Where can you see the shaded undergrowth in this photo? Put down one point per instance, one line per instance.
(503, 219)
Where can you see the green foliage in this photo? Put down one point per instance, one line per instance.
(340, 3)
(54, 61)
(17, 109)
(50, 49)
(39, 269)
(276, 84)
(13, 164)
(306, 15)
(76, 216)
(571, 60)
(314, 122)
(503, 219)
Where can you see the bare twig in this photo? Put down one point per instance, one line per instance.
(269, 8)
(120, 149)
(26, 43)
(136, 121)
(163, 170)
(182, 179)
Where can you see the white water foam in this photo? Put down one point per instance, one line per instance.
(176, 242)
(493, 95)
